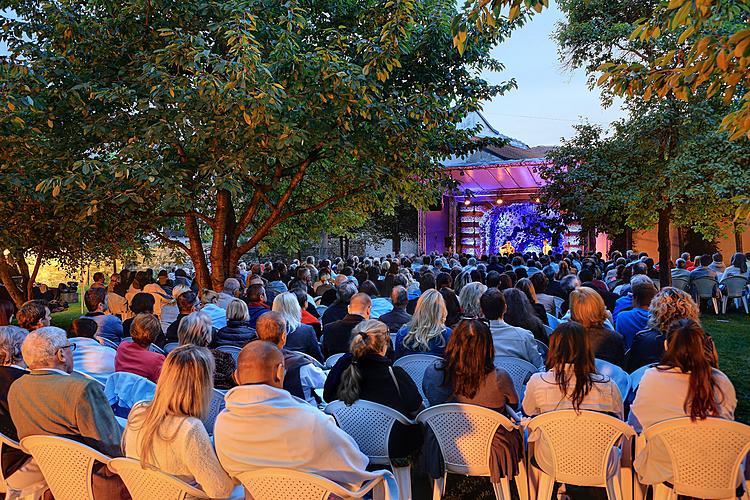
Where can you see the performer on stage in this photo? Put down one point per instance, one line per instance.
(507, 249)
(546, 248)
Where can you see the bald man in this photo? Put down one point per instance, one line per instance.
(302, 377)
(337, 335)
(264, 426)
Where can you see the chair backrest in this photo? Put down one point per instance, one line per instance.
(147, 484)
(312, 360)
(231, 349)
(542, 348)
(156, 348)
(464, 434)
(519, 370)
(680, 283)
(734, 286)
(124, 390)
(704, 287)
(558, 305)
(170, 347)
(369, 424)
(272, 484)
(706, 454)
(415, 365)
(580, 443)
(333, 359)
(620, 376)
(217, 404)
(65, 464)
(5, 440)
(107, 343)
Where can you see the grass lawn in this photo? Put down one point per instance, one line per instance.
(731, 334)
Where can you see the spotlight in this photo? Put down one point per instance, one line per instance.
(467, 202)
(499, 201)
(537, 200)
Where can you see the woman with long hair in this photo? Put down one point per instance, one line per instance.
(426, 332)
(528, 288)
(683, 384)
(366, 373)
(196, 329)
(587, 308)
(168, 433)
(469, 299)
(563, 270)
(520, 313)
(738, 266)
(452, 305)
(299, 337)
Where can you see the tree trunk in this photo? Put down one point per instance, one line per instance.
(738, 238)
(195, 251)
(32, 277)
(396, 241)
(6, 276)
(665, 246)
(323, 252)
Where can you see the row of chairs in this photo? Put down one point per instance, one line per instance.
(735, 288)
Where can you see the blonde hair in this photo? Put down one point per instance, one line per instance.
(185, 389)
(288, 306)
(209, 297)
(428, 321)
(237, 310)
(177, 291)
(144, 329)
(587, 307)
(368, 337)
(671, 304)
(195, 328)
(469, 299)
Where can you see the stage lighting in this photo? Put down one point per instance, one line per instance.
(537, 200)
(499, 201)
(467, 202)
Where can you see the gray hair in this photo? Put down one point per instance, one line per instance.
(231, 285)
(11, 338)
(641, 279)
(469, 298)
(570, 282)
(40, 346)
(346, 291)
(196, 329)
(399, 296)
(287, 305)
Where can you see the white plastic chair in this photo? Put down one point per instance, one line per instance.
(151, 347)
(333, 359)
(582, 447)
(465, 433)
(315, 362)
(704, 289)
(274, 484)
(415, 365)
(681, 284)
(231, 349)
(519, 370)
(107, 343)
(542, 348)
(216, 406)
(620, 376)
(706, 456)
(35, 490)
(66, 465)
(370, 425)
(148, 484)
(734, 286)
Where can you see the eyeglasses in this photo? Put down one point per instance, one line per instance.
(72, 347)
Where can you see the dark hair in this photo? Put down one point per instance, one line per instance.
(399, 296)
(6, 311)
(443, 280)
(452, 305)
(186, 301)
(492, 303)
(705, 260)
(31, 313)
(686, 342)
(255, 292)
(493, 279)
(98, 276)
(740, 261)
(569, 345)
(469, 357)
(505, 282)
(717, 257)
(142, 303)
(586, 275)
(521, 313)
(540, 281)
(301, 293)
(643, 293)
(369, 288)
(427, 282)
(94, 297)
(83, 327)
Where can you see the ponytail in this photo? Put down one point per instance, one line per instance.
(368, 337)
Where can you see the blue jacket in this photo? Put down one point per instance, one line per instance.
(437, 344)
(108, 326)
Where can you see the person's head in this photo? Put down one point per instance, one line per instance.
(427, 282)
(740, 262)
(643, 294)
(685, 349)
(48, 347)
(6, 312)
(95, 299)
(680, 263)
(717, 257)
(505, 282)
(345, 291)
(469, 299)
(562, 271)
(452, 306)
(369, 288)
(11, 339)
(443, 280)
(428, 321)
(493, 279)
(145, 329)
(179, 290)
(187, 302)
(585, 275)
(142, 303)
(237, 310)
(33, 314)
(208, 296)
(256, 293)
(399, 297)
(469, 356)
(569, 355)
(669, 305)
(232, 287)
(83, 328)
(569, 283)
(184, 389)
(260, 362)
(99, 277)
(587, 307)
(162, 277)
(287, 305)
(540, 282)
(525, 285)
(368, 337)
(492, 304)
(360, 304)
(271, 327)
(705, 260)
(196, 329)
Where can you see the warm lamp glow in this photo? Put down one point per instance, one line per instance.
(499, 201)
(537, 199)
(467, 202)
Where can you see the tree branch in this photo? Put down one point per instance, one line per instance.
(174, 243)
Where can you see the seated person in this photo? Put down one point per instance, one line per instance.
(426, 332)
(587, 308)
(187, 303)
(264, 426)
(33, 315)
(380, 305)
(211, 304)
(256, 302)
(508, 340)
(337, 335)
(90, 356)
(683, 384)
(630, 322)
(109, 326)
(299, 337)
(625, 303)
(168, 433)
(196, 329)
(142, 303)
(398, 316)
(170, 310)
(367, 373)
(238, 332)
(540, 282)
(302, 376)
(520, 313)
(135, 357)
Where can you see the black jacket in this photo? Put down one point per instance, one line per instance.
(172, 329)
(647, 348)
(12, 459)
(395, 319)
(335, 312)
(607, 345)
(236, 333)
(337, 335)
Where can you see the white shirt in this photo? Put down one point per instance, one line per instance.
(92, 358)
(544, 395)
(514, 342)
(160, 296)
(311, 378)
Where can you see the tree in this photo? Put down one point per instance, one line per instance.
(235, 119)
(395, 225)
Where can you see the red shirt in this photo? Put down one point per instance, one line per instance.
(309, 319)
(133, 358)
